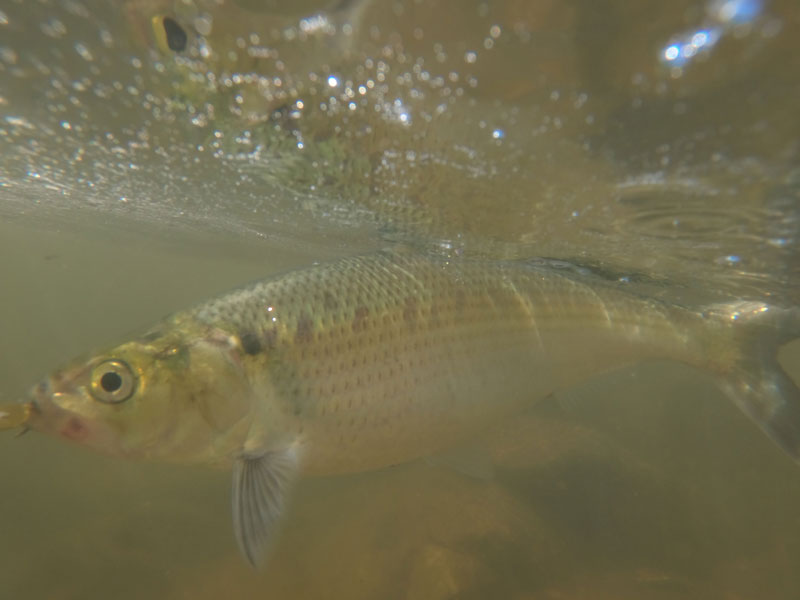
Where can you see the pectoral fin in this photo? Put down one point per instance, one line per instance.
(260, 487)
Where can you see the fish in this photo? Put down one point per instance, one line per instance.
(384, 358)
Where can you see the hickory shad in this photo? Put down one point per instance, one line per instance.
(375, 360)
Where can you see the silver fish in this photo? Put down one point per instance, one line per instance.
(375, 360)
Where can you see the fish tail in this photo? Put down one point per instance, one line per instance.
(755, 381)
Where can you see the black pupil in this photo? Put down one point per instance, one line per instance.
(111, 381)
(176, 36)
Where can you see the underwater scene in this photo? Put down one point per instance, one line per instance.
(399, 299)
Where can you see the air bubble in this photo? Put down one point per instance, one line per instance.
(53, 28)
(83, 51)
(8, 56)
(203, 24)
(106, 38)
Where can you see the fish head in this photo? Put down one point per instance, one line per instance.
(176, 394)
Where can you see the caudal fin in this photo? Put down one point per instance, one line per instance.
(757, 383)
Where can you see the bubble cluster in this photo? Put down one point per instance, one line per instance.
(723, 18)
(249, 119)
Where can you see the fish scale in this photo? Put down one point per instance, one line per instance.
(385, 358)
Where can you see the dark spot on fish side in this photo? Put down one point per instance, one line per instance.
(250, 343)
(305, 330)
(176, 36)
(360, 317)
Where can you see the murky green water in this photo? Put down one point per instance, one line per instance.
(136, 179)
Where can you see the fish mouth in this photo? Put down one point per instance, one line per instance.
(45, 414)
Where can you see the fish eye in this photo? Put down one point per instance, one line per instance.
(113, 381)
